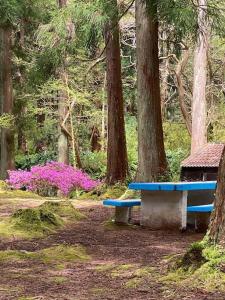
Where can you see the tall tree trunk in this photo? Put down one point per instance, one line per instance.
(63, 139)
(117, 166)
(199, 104)
(216, 231)
(6, 101)
(151, 153)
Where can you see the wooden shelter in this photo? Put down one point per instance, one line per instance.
(203, 165)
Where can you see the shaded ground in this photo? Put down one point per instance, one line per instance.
(126, 263)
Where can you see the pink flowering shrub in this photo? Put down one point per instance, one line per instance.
(52, 176)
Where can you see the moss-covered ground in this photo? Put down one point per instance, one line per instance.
(75, 256)
(203, 265)
(38, 221)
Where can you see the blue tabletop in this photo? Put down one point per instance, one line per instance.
(174, 186)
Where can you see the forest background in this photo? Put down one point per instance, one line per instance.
(55, 97)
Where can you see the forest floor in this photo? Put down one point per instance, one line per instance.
(121, 262)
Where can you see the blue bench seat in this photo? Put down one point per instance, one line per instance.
(122, 209)
(200, 208)
(122, 203)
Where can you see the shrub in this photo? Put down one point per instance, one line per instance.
(25, 162)
(53, 176)
(95, 163)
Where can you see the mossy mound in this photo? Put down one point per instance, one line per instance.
(36, 220)
(203, 265)
(64, 209)
(193, 258)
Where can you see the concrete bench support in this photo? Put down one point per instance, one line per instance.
(164, 209)
(122, 215)
(122, 208)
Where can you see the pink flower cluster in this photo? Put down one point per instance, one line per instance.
(63, 177)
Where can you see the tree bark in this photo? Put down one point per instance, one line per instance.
(181, 90)
(6, 101)
(216, 231)
(199, 104)
(63, 139)
(152, 164)
(117, 165)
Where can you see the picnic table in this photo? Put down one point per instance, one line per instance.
(164, 205)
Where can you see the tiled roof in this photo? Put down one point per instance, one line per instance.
(208, 156)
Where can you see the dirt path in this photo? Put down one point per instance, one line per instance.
(125, 264)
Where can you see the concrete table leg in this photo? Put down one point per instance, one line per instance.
(122, 215)
(164, 209)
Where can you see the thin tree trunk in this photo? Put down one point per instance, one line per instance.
(103, 115)
(199, 105)
(216, 231)
(6, 101)
(63, 141)
(21, 139)
(181, 90)
(152, 164)
(117, 165)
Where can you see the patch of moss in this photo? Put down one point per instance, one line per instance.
(203, 265)
(133, 283)
(193, 257)
(3, 185)
(104, 192)
(63, 253)
(64, 209)
(105, 267)
(59, 279)
(52, 255)
(18, 194)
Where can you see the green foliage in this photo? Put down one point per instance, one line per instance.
(176, 136)
(94, 163)
(132, 144)
(7, 121)
(25, 162)
(174, 158)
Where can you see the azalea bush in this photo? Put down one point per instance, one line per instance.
(53, 176)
